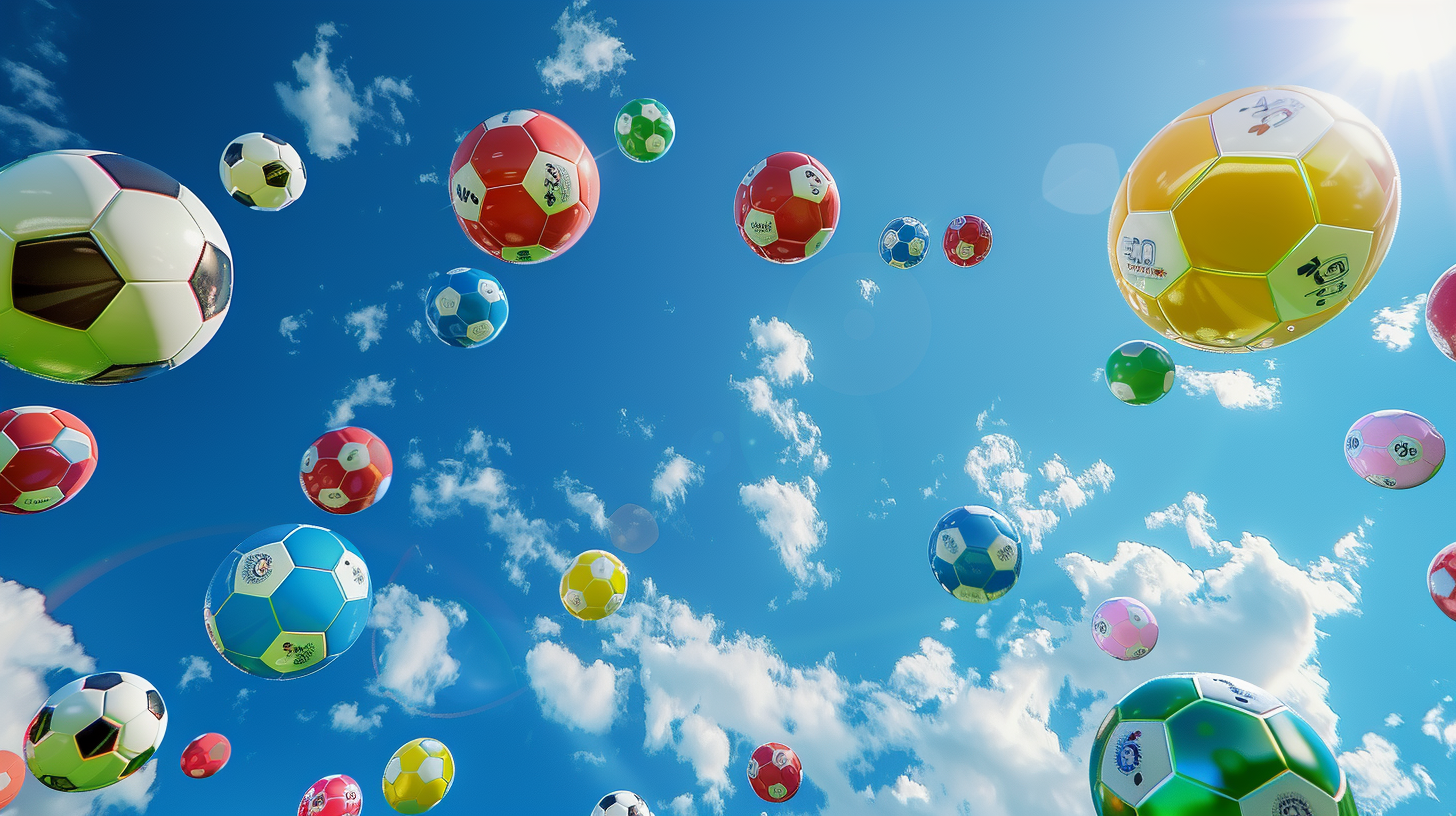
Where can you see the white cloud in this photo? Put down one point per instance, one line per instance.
(682, 805)
(625, 424)
(330, 108)
(589, 758)
(571, 692)
(787, 515)
(417, 331)
(785, 352)
(34, 92)
(544, 627)
(369, 391)
(999, 472)
(675, 474)
(906, 789)
(367, 324)
(1376, 778)
(868, 289)
(194, 669)
(1392, 720)
(784, 415)
(38, 92)
(984, 418)
(345, 717)
(1234, 389)
(32, 645)
(1434, 725)
(928, 675)
(430, 178)
(584, 501)
(949, 624)
(1073, 491)
(290, 325)
(587, 53)
(32, 132)
(1395, 327)
(415, 662)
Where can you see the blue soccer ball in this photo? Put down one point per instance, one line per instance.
(466, 307)
(975, 554)
(287, 601)
(904, 242)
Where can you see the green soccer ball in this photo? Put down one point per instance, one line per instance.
(1212, 745)
(1139, 372)
(644, 130)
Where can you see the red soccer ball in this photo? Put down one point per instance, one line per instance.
(346, 470)
(1441, 313)
(1441, 580)
(774, 772)
(967, 240)
(12, 775)
(206, 755)
(786, 207)
(336, 795)
(524, 186)
(46, 457)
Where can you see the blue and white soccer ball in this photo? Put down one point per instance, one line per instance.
(287, 601)
(466, 307)
(975, 554)
(904, 242)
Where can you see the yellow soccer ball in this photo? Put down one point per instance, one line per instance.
(1254, 218)
(418, 775)
(594, 586)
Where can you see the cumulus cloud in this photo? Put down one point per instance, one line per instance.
(1376, 778)
(587, 54)
(792, 424)
(584, 501)
(544, 627)
(675, 474)
(369, 391)
(195, 669)
(868, 289)
(367, 324)
(345, 717)
(1436, 726)
(1234, 389)
(1393, 719)
(572, 693)
(785, 352)
(906, 789)
(290, 325)
(948, 624)
(788, 517)
(329, 106)
(1395, 326)
(997, 467)
(415, 662)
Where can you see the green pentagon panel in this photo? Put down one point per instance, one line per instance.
(137, 762)
(1184, 797)
(1288, 795)
(251, 665)
(974, 568)
(56, 754)
(247, 624)
(1229, 750)
(98, 773)
(295, 651)
(1304, 752)
(48, 350)
(7, 257)
(971, 594)
(525, 254)
(1157, 699)
(1109, 805)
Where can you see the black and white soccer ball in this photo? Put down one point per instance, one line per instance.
(621, 803)
(262, 171)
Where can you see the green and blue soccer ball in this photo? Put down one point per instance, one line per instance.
(904, 242)
(1139, 372)
(287, 601)
(975, 554)
(1212, 745)
(644, 130)
(466, 308)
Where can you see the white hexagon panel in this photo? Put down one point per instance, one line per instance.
(447, 302)
(1149, 254)
(949, 545)
(808, 182)
(64, 193)
(761, 227)
(515, 117)
(354, 456)
(149, 237)
(1288, 794)
(392, 770)
(1237, 693)
(466, 192)
(353, 576)
(1270, 123)
(1136, 760)
(261, 570)
(551, 181)
(1321, 271)
(78, 711)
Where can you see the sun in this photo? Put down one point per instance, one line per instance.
(1398, 36)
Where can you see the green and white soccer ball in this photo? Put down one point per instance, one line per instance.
(1212, 745)
(644, 130)
(95, 731)
(1139, 372)
(262, 171)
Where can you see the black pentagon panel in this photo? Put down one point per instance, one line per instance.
(233, 154)
(41, 725)
(212, 281)
(275, 174)
(131, 174)
(59, 783)
(141, 759)
(103, 681)
(607, 801)
(127, 373)
(65, 280)
(243, 198)
(154, 704)
(303, 168)
(97, 738)
(274, 139)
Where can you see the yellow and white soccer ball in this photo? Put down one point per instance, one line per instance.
(418, 775)
(1253, 218)
(594, 586)
(262, 171)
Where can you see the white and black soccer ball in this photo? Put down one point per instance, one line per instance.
(262, 171)
(95, 731)
(110, 270)
(621, 803)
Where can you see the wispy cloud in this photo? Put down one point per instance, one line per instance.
(674, 475)
(369, 391)
(787, 515)
(367, 324)
(1234, 389)
(1376, 778)
(997, 467)
(32, 91)
(430, 178)
(1395, 325)
(868, 289)
(584, 501)
(785, 351)
(332, 109)
(587, 54)
(195, 669)
(345, 717)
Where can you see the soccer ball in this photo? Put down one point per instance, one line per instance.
(975, 554)
(1394, 449)
(336, 795)
(644, 130)
(1253, 218)
(206, 755)
(262, 171)
(786, 207)
(774, 772)
(1441, 580)
(466, 308)
(46, 457)
(110, 271)
(418, 775)
(1212, 744)
(524, 186)
(621, 803)
(594, 586)
(12, 776)
(287, 601)
(1140, 373)
(967, 240)
(903, 242)
(1441, 313)
(95, 731)
(346, 470)
(1124, 628)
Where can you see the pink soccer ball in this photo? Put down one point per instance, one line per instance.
(1441, 313)
(1125, 628)
(1394, 449)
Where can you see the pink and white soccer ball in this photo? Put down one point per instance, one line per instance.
(1394, 449)
(1125, 628)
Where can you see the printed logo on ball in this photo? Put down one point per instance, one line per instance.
(1268, 115)
(1141, 257)
(1291, 804)
(1328, 275)
(257, 567)
(1129, 753)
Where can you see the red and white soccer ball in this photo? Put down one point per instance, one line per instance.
(967, 240)
(206, 755)
(774, 772)
(346, 470)
(524, 186)
(1441, 580)
(46, 457)
(12, 776)
(336, 795)
(787, 207)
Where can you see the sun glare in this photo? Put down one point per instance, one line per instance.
(1402, 35)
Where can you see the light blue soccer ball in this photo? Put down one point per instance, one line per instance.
(466, 307)
(904, 243)
(975, 554)
(287, 601)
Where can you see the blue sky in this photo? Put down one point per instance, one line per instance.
(787, 598)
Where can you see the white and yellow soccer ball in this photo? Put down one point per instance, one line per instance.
(262, 171)
(418, 775)
(594, 586)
